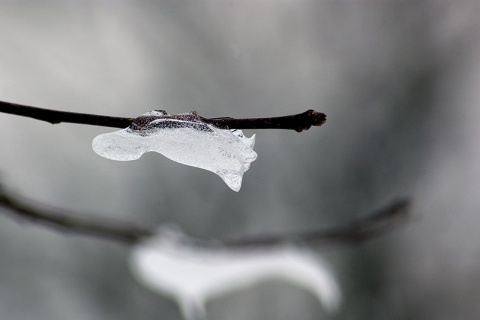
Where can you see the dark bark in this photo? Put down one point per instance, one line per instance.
(298, 122)
(369, 227)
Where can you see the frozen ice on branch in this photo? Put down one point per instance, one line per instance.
(184, 138)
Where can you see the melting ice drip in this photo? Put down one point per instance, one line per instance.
(173, 264)
(183, 138)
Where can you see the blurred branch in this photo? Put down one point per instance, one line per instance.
(299, 122)
(366, 228)
(371, 226)
(28, 210)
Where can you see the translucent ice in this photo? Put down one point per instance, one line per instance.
(173, 264)
(183, 138)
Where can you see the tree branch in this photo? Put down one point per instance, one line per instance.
(366, 228)
(54, 116)
(299, 122)
(91, 226)
(359, 231)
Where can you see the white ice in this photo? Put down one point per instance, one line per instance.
(172, 265)
(227, 153)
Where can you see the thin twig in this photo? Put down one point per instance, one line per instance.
(357, 232)
(54, 116)
(299, 122)
(111, 229)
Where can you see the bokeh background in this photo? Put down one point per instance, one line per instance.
(399, 81)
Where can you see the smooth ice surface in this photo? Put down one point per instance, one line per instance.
(172, 264)
(183, 138)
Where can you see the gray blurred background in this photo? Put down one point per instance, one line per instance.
(399, 83)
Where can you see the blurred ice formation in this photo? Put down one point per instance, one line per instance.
(177, 266)
(183, 138)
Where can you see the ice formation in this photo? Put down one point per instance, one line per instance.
(172, 264)
(183, 138)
